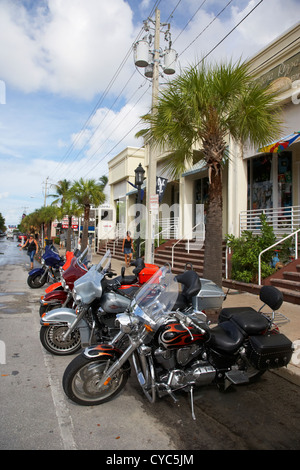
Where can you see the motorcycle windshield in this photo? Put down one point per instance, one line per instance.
(156, 298)
(89, 287)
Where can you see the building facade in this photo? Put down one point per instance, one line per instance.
(254, 180)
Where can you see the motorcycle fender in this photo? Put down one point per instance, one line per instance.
(36, 271)
(106, 351)
(58, 295)
(58, 316)
(56, 286)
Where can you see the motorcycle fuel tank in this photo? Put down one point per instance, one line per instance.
(112, 302)
(174, 335)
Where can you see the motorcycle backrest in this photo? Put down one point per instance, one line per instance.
(139, 265)
(271, 296)
(191, 283)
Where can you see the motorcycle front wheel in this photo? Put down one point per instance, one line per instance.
(36, 280)
(81, 381)
(52, 339)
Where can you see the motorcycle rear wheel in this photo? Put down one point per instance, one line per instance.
(81, 379)
(35, 281)
(51, 339)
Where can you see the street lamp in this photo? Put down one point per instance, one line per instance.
(139, 178)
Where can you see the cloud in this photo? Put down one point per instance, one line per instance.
(67, 47)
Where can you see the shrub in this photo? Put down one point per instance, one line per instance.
(246, 250)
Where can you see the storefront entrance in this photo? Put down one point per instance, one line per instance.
(270, 181)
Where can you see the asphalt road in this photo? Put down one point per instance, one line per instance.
(36, 415)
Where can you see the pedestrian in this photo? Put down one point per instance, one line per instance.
(61, 240)
(127, 248)
(33, 248)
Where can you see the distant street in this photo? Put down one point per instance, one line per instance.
(35, 414)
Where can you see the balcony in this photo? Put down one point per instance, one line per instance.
(284, 220)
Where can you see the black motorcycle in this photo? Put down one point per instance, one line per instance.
(173, 350)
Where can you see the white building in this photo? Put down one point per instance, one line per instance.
(253, 182)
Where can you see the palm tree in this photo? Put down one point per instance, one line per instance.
(202, 107)
(62, 190)
(86, 193)
(69, 208)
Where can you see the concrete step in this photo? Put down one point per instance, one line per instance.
(286, 284)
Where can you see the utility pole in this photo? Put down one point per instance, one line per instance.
(45, 198)
(143, 59)
(151, 173)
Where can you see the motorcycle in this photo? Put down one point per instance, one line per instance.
(60, 294)
(51, 263)
(98, 299)
(172, 350)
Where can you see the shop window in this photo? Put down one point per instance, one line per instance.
(270, 181)
(285, 179)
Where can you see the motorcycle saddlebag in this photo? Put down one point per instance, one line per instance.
(269, 352)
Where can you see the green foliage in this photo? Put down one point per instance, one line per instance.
(246, 250)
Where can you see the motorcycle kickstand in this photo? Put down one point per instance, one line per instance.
(192, 402)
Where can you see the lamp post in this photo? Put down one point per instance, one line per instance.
(151, 60)
(139, 178)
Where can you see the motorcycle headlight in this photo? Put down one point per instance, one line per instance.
(76, 297)
(42, 262)
(126, 322)
(63, 282)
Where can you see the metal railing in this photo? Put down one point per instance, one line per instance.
(283, 219)
(201, 239)
(295, 234)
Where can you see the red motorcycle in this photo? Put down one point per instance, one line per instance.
(60, 294)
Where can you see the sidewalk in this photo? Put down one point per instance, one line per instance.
(237, 299)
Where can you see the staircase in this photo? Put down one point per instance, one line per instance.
(163, 254)
(287, 279)
(115, 247)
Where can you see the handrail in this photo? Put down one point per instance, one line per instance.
(173, 246)
(294, 234)
(168, 228)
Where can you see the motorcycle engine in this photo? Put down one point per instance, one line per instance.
(199, 372)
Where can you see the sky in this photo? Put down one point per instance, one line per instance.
(71, 96)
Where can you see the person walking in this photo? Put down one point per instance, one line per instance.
(127, 248)
(33, 248)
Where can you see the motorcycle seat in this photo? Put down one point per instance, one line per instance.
(128, 280)
(191, 283)
(248, 319)
(123, 280)
(225, 338)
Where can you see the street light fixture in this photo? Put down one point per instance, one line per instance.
(139, 178)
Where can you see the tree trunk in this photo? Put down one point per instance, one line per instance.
(85, 231)
(213, 231)
(69, 232)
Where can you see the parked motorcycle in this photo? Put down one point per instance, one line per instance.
(97, 298)
(51, 263)
(60, 294)
(173, 350)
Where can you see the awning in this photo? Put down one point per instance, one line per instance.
(196, 168)
(282, 144)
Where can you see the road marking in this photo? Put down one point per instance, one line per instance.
(64, 419)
